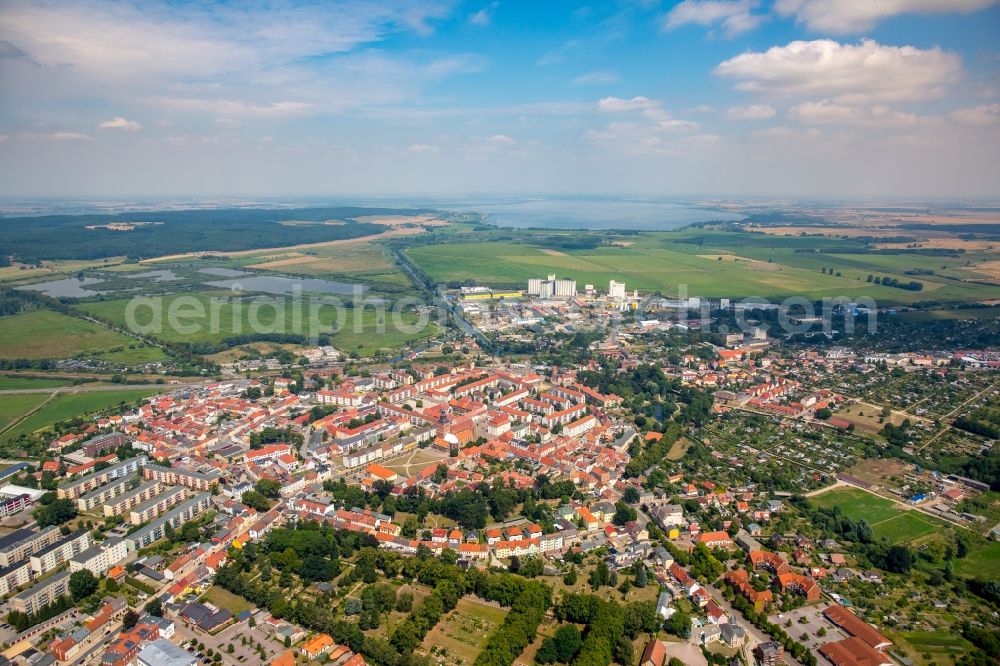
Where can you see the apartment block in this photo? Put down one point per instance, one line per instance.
(77, 487)
(123, 503)
(172, 476)
(156, 505)
(50, 557)
(19, 544)
(97, 445)
(12, 504)
(175, 518)
(42, 593)
(104, 493)
(14, 576)
(99, 558)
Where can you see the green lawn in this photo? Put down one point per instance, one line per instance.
(857, 504)
(69, 405)
(752, 265)
(907, 526)
(220, 316)
(49, 334)
(224, 599)
(887, 519)
(982, 562)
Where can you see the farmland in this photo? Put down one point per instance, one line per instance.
(362, 331)
(47, 334)
(708, 263)
(62, 407)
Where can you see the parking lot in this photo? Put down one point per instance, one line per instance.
(242, 654)
(808, 619)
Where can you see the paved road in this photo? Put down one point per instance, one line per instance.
(756, 635)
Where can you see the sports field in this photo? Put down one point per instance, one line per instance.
(709, 263)
(219, 316)
(887, 519)
(50, 334)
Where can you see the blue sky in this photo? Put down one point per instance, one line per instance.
(701, 98)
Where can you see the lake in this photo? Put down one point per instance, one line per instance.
(270, 284)
(594, 214)
(66, 288)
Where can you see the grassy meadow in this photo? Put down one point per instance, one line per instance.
(363, 331)
(49, 334)
(710, 263)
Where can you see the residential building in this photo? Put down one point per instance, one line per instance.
(176, 517)
(42, 593)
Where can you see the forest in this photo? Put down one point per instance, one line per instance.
(32, 239)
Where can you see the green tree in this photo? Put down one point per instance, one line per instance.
(82, 584)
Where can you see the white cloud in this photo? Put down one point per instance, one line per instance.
(852, 16)
(617, 104)
(69, 136)
(599, 76)
(851, 73)
(734, 16)
(485, 15)
(231, 107)
(119, 123)
(786, 133)
(254, 53)
(500, 140)
(422, 149)
(984, 114)
(751, 112)
(227, 123)
(650, 109)
(827, 112)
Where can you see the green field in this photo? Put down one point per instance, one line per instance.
(48, 334)
(907, 526)
(221, 316)
(14, 406)
(69, 405)
(943, 647)
(858, 504)
(752, 264)
(981, 562)
(887, 519)
(224, 599)
(8, 382)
